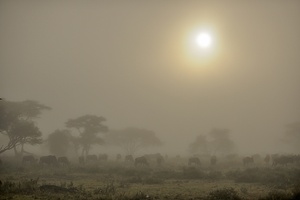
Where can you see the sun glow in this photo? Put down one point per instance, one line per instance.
(201, 47)
(204, 40)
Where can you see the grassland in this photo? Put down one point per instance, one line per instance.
(116, 180)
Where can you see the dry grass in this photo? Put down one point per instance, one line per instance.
(129, 183)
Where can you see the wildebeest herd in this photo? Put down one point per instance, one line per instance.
(49, 160)
(158, 160)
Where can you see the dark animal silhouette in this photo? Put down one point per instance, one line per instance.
(63, 161)
(129, 158)
(103, 157)
(248, 160)
(48, 160)
(194, 160)
(213, 160)
(28, 160)
(141, 161)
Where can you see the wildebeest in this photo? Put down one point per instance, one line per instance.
(92, 158)
(28, 160)
(213, 160)
(283, 160)
(141, 161)
(103, 157)
(194, 160)
(248, 160)
(63, 161)
(129, 158)
(48, 160)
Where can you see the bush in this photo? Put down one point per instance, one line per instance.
(223, 194)
(22, 187)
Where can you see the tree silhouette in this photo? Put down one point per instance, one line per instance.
(133, 139)
(16, 122)
(200, 145)
(218, 142)
(221, 142)
(88, 127)
(59, 142)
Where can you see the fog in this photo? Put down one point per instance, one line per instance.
(127, 61)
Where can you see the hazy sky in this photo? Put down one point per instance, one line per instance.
(129, 61)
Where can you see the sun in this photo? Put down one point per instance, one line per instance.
(204, 40)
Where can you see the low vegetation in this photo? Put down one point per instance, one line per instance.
(113, 180)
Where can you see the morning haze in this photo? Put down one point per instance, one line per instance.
(129, 62)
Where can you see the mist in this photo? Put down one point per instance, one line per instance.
(126, 61)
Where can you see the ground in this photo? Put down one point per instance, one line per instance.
(115, 180)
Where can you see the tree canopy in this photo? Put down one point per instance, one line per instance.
(16, 122)
(59, 142)
(133, 139)
(218, 142)
(88, 127)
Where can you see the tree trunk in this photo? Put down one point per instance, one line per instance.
(17, 154)
(22, 149)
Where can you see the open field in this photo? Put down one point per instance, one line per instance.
(119, 180)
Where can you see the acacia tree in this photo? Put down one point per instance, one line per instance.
(59, 142)
(133, 139)
(88, 127)
(200, 145)
(16, 122)
(218, 142)
(221, 142)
